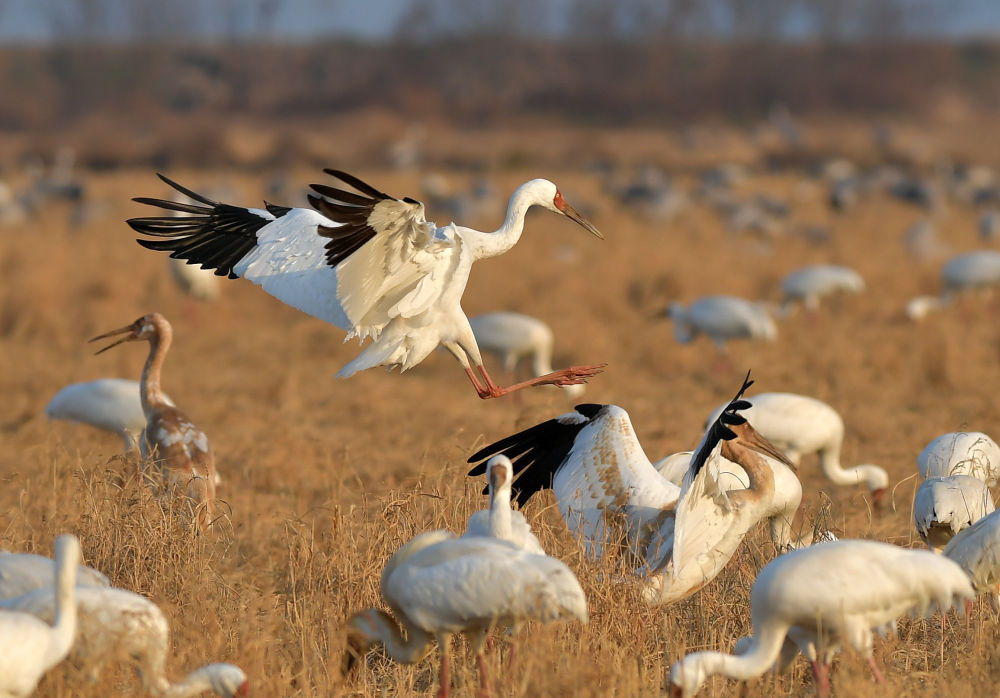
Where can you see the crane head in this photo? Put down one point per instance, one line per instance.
(563, 207)
(145, 328)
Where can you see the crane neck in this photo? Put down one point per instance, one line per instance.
(507, 235)
(759, 655)
(150, 391)
(500, 514)
(206, 678)
(378, 626)
(759, 474)
(65, 619)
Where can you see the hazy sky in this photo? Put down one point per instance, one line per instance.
(25, 20)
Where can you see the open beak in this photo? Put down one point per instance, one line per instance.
(574, 215)
(121, 330)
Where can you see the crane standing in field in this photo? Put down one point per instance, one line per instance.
(722, 318)
(365, 262)
(943, 506)
(499, 520)
(512, 337)
(178, 450)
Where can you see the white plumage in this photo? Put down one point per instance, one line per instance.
(111, 404)
(809, 284)
(437, 585)
(722, 318)
(367, 263)
(800, 425)
(971, 270)
(24, 572)
(499, 520)
(976, 549)
(830, 594)
(513, 337)
(943, 506)
(961, 453)
(30, 647)
(117, 625)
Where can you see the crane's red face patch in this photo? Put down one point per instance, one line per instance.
(558, 201)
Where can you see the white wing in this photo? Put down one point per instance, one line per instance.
(21, 573)
(369, 259)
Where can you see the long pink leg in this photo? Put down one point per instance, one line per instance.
(875, 671)
(445, 678)
(822, 677)
(566, 376)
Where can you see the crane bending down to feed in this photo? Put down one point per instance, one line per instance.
(809, 284)
(28, 646)
(365, 262)
(677, 538)
(437, 585)
(800, 425)
(722, 318)
(499, 520)
(24, 572)
(111, 404)
(115, 624)
(976, 549)
(823, 596)
(178, 450)
(961, 453)
(512, 337)
(943, 506)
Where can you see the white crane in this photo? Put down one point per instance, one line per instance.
(367, 263)
(437, 585)
(177, 449)
(943, 506)
(971, 270)
(118, 625)
(111, 404)
(961, 453)
(677, 539)
(499, 520)
(722, 318)
(976, 549)
(811, 283)
(30, 647)
(827, 595)
(24, 572)
(513, 337)
(800, 425)
(730, 477)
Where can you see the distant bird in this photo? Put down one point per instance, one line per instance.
(731, 477)
(811, 283)
(118, 625)
(943, 506)
(111, 404)
(919, 307)
(989, 225)
(722, 318)
(824, 596)
(961, 453)
(606, 487)
(437, 585)
(24, 572)
(499, 520)
(30, 647)
(800, 425)
(922, 242)
(972, 270)
(513, 337)
(375, 267)
(176, 448)
(976, 549)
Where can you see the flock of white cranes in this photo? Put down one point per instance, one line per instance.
(370, 264)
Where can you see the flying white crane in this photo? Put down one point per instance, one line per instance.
(811, 283)
(178, 450)
(827, 595)
(722, 318)
(943, 506)
(30, 647)
(513, 337)
(118, 625)
(24, 572)
(499, 520)
(367, 263)
(678, 539)
(111, 404)
(800, 425)
(437, 585)
(976, 549)
(961, 453)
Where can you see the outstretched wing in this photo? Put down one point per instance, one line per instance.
(358, 261)
(593, 461)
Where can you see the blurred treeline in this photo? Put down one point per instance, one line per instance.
(142, 65)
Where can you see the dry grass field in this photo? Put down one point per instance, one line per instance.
(323, 479)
